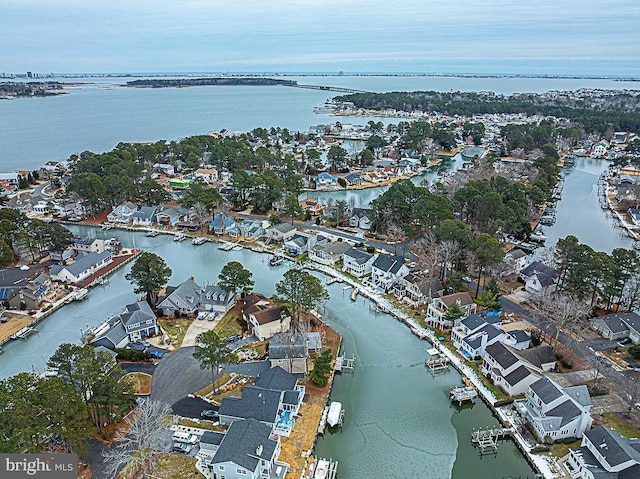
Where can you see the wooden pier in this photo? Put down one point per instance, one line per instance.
(345, 364)
(323, 469)
(487, 439)
(437, 364)
(354, 293)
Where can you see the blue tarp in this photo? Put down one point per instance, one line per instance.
(491, 314)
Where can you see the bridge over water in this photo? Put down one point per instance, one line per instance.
(327, 88)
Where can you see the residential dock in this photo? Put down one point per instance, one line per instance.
(487, 439)
(462, 394)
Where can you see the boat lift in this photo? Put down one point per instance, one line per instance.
(487, 439)
(345, 364)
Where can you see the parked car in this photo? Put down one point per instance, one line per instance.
(209, 414)
(181, 447)
(155, 354)
(233, 337)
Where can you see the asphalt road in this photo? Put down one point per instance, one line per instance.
(178, 375)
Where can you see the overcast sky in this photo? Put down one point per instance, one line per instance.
(421, 36)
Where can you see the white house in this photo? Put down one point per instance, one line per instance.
(514, 371)
(281, 232)
(605, 454)
(387, 270)
(599, 149)
(539, 277)
(88, 245)
(84, 265)
(302, 242)
(329, 253)
(189, 298)
(122, 213)
(359, 218)
(357, 262)
(137, 321)
(145, 216)
(555, 412)
(208, 175)
(438, 308)
(247, 451)
(515, 261)
(263, 317)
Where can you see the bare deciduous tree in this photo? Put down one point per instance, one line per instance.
(133, 448)
(560, 310)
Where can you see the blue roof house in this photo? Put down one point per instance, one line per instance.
(221, 224)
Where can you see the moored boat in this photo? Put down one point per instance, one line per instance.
(335, 415)
(199, 240)
(152, 233)
(275, 260)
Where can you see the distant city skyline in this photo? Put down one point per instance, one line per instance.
(548, 37)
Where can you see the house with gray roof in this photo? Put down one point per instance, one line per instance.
(387, 270)
(513, 370)
(247, 451)
(137, 321)
(145, 216)
(256, 403)
(605, 454)
(359, 218)
(539, 277)
(83, 266)
(189, 298)
(290, 351)
(357, 262)
(209, 443)
(302, 242)
(122, 213)
(555, 412)
(221, 224)
(329, 253)
(436, 310)
(278, 379)
(618, 326)
(280, 233)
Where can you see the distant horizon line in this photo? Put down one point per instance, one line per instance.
(40, 75)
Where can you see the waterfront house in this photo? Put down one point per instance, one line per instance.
(357, 262)
(137, 321)
(188, 298)
(514, 371)
(145, 216)
(539, 277)
(515, 260)
(605, 454)
(353, 179)
(555, 412)
(264, 318)
(329, 253)
(122, 213)
(634, 214)
(278, 379)
(165, 168)
(83, 266)
(302, 242)
(280, 233)
(290, 351)
(618, 326)
(359, 218)
(387, 270)
(312, 206)
(168, 216)
(247, 451)
(88, 245)
(438, 308)
(59, 256)
(599, 149)
(10, 178)
(31, 296)
(326, 180)
(251, 229)
(221, 224)
(255, 403)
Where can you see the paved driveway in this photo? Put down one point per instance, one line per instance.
(191, 407)
(178, 375)
(197, 327)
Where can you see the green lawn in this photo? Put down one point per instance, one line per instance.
(618, 423)
(175, 329)
(230, 324)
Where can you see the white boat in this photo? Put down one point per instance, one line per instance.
(180, 237)
(106, 226)
(321, 470)
(80, 294)
(237, 247)
(199, 240)
(24, 333)
(152, 233)
(334, 417)
(537, 236)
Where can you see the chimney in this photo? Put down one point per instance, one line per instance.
(259, 450)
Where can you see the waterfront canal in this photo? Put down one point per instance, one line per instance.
(399, 421)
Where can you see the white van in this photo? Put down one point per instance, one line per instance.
(185, 437)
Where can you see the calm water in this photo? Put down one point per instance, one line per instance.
(99, 114)
(579, 213)
(396, 413)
